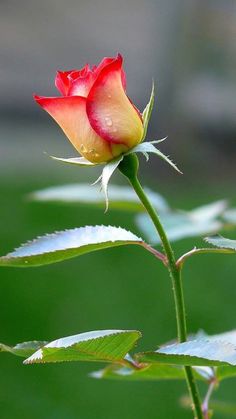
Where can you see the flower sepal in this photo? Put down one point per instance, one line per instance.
(81, 161)
(109, 168)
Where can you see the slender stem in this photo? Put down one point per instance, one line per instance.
(175, 275)
(173, 270)
(130, 169)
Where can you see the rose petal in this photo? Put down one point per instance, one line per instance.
(62, 81)
(82, 85)
(110, 112)
(70, 113)
(108, 60)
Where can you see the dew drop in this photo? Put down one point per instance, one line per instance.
(108, 121)
(83, 148)
(91, 151)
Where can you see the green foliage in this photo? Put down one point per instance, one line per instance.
(146, 373)
(151, 372)
(120, 197)
(196, 352)
(223, 372)
(23, 349)
(221, 242)
(102, 345)
(230, 216)
(202, 352)
(181, 224)
(67, 244)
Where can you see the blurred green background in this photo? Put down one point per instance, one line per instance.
(189, 49)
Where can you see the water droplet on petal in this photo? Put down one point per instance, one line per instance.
(83, 148)
(108, 121)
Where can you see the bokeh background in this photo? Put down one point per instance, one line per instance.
(188, 47)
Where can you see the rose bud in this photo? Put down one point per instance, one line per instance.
(94, 111)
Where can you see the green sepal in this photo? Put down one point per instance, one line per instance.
(146, 115)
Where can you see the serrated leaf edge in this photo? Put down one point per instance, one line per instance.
(40, 351)
(159, 351)
(54, 234)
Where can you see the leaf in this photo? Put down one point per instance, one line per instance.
(108, 170)
(221, 242)
(120, 197)
(148, 111)
(81, 161)
(178, 225)
(101, 345)
(220, 372)
(209, 212)
(148, 147)
(24, 349)
(225, 371)
(152, 372)
(196, 353)
(182, 224)
(67, 244)
(230, 216)
(224, 337)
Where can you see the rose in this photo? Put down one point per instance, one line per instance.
(94, 111)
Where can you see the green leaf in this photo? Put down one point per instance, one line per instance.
(182, 224)
(107, 172)
(148, 147)
(120, 197)
(24, 349)
(152, 372)
(102, 345)
(209, 212)
(148, 373)
(196, 353)
(229, 337)
(67, 244)
(177, 227)
(221, 242)
(230, 216)
(220, 372)
(224, 372)
(148, 111)
(81, 161)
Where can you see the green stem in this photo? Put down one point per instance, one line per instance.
(129, 167)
